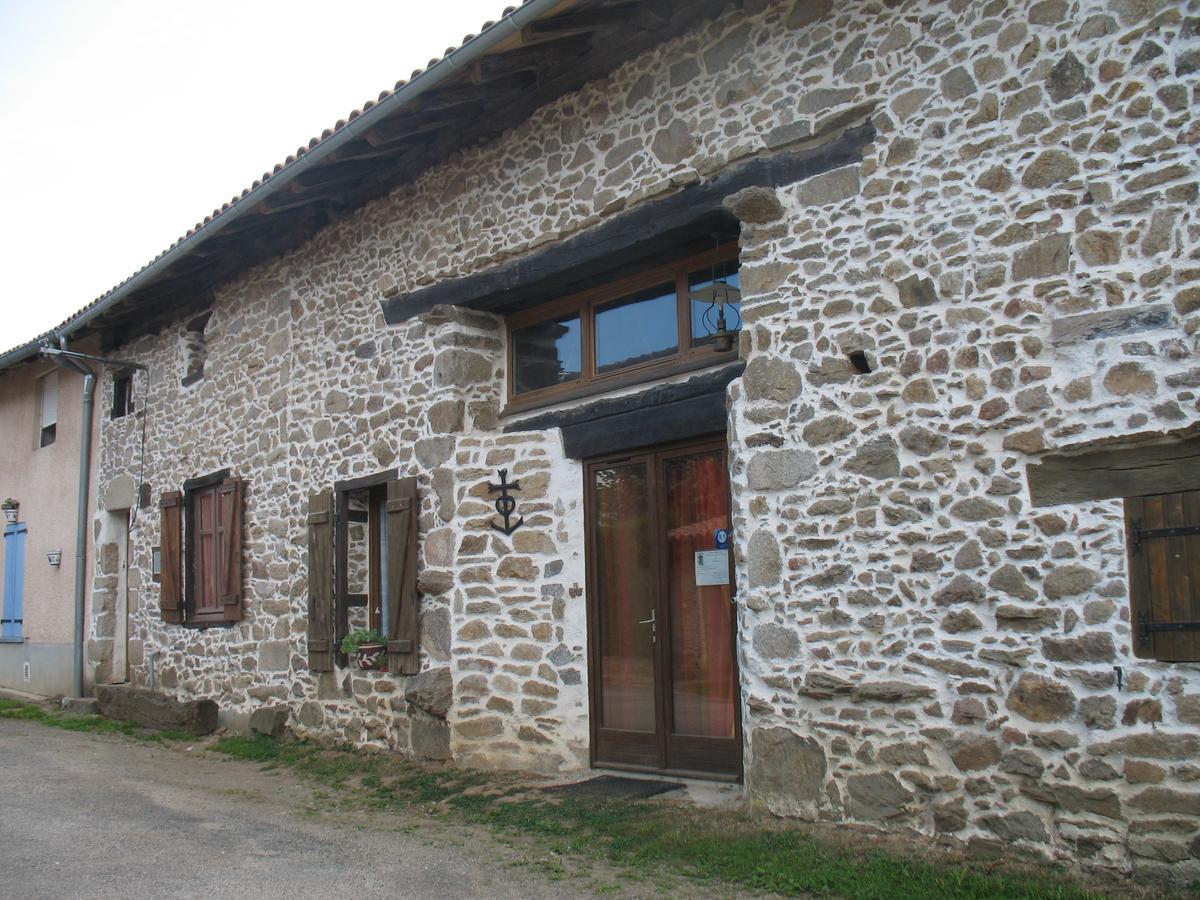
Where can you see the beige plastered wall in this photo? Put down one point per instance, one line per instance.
(45, 481)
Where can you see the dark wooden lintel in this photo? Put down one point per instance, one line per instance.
(658, 415)
(677, 215)
(1108, 473)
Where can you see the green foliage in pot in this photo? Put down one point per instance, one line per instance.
(9, 503)
(355, 639)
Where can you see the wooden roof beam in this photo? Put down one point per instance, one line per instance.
(534, 58)
(399, 127)
(586, 21)
(467, 94)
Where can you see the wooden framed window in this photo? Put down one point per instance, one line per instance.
(624, 331)
(1163, 537)
(200, 551)
(362, 569)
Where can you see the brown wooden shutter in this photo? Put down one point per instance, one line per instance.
(320, 582)
(403, 629)
(170, 591)
(230, 497)
(1163, 538)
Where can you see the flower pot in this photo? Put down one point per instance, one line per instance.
(371, 657)
(10, 516)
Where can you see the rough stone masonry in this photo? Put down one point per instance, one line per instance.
(1018, 257)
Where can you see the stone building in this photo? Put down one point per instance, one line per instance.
(953, 445)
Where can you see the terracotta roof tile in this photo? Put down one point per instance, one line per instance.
(266, 177)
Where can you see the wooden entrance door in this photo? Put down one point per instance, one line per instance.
(663, 674)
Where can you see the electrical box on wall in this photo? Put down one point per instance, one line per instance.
(26, 672)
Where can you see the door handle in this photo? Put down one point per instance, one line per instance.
(653, 626)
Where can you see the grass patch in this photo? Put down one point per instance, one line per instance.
(647, 838)
(32, 712)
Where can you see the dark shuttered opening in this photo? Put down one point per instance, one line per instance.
(1163, 537)
(201, 539)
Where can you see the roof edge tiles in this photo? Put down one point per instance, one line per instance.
(317, 150)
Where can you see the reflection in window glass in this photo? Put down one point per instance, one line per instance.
(704, 315)
(636, 329)
(546, 354)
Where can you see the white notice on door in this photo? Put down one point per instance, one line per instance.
(712, 567)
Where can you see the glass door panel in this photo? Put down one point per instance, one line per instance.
(626, 575)
(702, 682)
(664, 672)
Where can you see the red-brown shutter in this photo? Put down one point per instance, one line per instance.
(230, 496)
(403, 629)
(1164, 574)
(320, 582)
(170, 590)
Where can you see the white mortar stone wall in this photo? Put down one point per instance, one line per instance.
(1034, 162)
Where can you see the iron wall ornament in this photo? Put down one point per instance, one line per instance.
(506, 504)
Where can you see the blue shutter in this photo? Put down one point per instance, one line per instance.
(14, 582)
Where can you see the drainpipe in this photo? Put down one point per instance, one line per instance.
(81, 511)
(69, 359)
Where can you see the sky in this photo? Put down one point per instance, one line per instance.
(125, 122)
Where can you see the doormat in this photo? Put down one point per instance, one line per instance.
(613, 787)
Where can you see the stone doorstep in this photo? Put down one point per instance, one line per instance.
(154, 710)
(697, 791)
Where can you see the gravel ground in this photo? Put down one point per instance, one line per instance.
(84, 815)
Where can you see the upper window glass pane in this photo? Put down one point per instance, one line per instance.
(637, 329)
(704, 315)
(547, 354)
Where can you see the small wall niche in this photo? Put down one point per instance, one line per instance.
(859, 362)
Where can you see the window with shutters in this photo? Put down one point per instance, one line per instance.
(200, 551)
(362, 548)
(1163, 537)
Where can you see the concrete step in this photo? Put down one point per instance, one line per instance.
(81, 706)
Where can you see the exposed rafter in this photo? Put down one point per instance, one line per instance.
(550, 57)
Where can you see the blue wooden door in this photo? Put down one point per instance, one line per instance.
(14, 582)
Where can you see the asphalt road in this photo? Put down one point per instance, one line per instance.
(84, 815)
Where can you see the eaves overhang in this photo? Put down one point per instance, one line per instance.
(533, 54)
